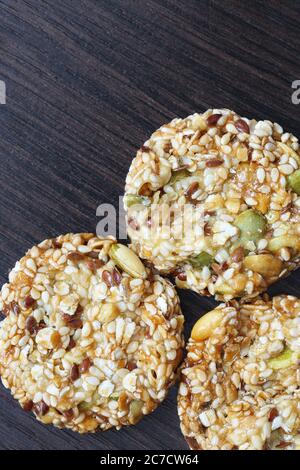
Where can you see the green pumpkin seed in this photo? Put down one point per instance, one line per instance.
(201, 260)
(135, 411)
(134, 199)
(294, 181)
(84, 406)
(284, 360)
(179, 175)
(252, 225)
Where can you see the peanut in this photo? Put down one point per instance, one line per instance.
(205, 326)
(266, 265)
(291, 241)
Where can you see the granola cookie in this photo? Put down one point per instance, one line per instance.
(91, 339)
(240, 381)
(237, 181)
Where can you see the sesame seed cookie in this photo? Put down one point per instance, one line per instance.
(91, 339)
(240, 380)
(214, 199)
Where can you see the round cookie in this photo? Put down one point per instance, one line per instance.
(240, 380)
(91, 339)
(233, 184)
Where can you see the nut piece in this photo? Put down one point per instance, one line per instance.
(179, 175)
(108, 313)
(133, 200)
(236, 287)
(252, 225)
(286, 359)
(294, 181)
(85, 406)
(263, 202)
(48, 338)
(239, 387)
(135, 411)
(201, 260)
(204, 327)
(127, 260)
(266, 265)
(291, 241)
(89, 341)
(69, 304)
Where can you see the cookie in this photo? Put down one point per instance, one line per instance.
(91, 339)
(213, 199)
(240, 380)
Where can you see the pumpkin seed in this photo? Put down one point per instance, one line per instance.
(84, 406)
(179, 175)
(135, 411)
(134, 199)
(108, 313)
(252, 225)
(294, 181)
(127, 260)
(201, 260)
(284, 360)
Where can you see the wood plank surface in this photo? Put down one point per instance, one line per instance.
(87, 81)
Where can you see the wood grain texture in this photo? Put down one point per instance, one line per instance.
(87, 82)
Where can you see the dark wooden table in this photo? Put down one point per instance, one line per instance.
(87, 82)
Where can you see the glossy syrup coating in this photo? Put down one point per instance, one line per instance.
(239, 385)
(240, 179)
(91, 339)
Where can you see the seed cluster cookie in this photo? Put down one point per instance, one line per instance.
(241, 181)
(91, 339)
(240, 380)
